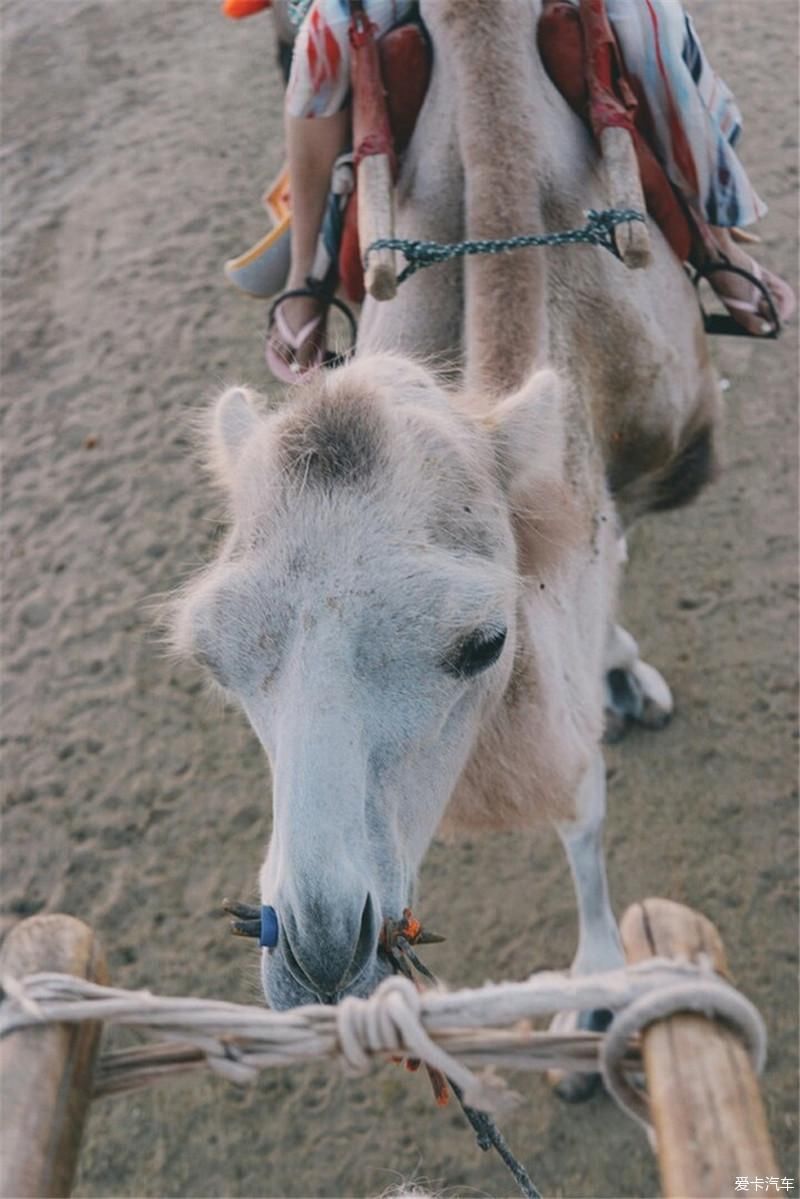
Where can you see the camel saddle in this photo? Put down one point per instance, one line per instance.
(405, 63)
(581, 57)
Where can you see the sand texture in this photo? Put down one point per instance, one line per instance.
(137, 138)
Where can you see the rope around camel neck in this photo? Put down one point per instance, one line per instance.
(598, 231)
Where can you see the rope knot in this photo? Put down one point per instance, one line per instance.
(380, 1024)
(390, 1022)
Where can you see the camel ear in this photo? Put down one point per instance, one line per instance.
(528, 434)
(233, 420)
(529, 444)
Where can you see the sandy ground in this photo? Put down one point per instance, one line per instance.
(136, 139)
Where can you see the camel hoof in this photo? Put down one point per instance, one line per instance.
(657, 702)
(575, 1087)
(638, 695)
(616, 726)
(654, 717)
(624, 703)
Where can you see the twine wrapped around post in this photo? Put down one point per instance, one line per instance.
(704, 1099)
(46, 1071)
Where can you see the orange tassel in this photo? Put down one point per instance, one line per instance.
(412, 926)
(441, 1091)
(236, 9)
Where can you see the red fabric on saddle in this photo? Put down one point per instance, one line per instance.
(611, 101)
(405, 67)
(351, 272)
(371, 132)
(595, 86)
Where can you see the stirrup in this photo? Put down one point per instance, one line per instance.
(725, 325)
(319, 291)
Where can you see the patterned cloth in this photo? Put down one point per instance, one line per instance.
(320, 80)
(696, 122)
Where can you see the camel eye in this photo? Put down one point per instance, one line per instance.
(477, 653)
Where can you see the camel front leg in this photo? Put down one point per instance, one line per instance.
(599, 944)
(635, 691)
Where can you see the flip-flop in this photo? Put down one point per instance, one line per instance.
(285, 366)
(767, 291)
(784, 297)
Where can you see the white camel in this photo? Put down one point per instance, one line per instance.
(415, 602)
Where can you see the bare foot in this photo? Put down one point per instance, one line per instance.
(296, 337)
(743, 299)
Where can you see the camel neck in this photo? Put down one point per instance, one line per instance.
(493, 49)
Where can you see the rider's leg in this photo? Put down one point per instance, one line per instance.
(695, 125)
(313, 144)
(317, 123)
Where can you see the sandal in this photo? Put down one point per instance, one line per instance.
(770, 299)
(281, 352)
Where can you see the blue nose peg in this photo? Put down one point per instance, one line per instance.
(269, 927)
(250, 921)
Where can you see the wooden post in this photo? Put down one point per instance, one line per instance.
(610, 104)
(374, 155)
(46, 1073)
(376, 220)
(705, 1103)
(625, 191)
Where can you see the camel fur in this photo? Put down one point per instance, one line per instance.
(415, 604)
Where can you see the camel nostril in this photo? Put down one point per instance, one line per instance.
(301, 975)
(366, 943)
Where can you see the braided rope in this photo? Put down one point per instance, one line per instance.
(598, 231)
(457, 1032)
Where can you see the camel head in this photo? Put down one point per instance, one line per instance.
(363, 612)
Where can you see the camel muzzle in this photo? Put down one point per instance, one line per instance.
(326, 950)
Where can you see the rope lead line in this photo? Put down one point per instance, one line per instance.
(598, 231)
(489, 1136)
